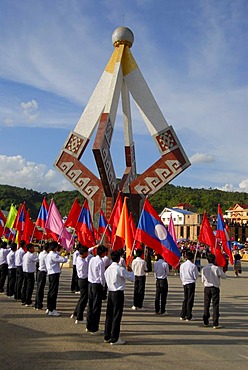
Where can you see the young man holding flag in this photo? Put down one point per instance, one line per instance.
(116, 277)
(188, 275)
(211, 275)
(53, 261)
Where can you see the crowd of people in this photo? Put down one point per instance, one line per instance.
(98, 276)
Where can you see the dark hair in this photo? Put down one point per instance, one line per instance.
(115, 256)
(211, 258)
(46, 247)
(22, 243)
(101, 250)
(53, 245)
(139, 252)
(13, 246)
(82, 249)
(159, 257)
(4, 245)
(29, 246)
(190, 255)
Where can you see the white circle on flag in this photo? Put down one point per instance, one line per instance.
(160, 232)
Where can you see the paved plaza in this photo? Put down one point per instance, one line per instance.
(32, 340)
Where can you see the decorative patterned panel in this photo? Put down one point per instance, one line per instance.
(101, 150)
(166, 140)
(81, 178)
(160, 173)
(75, 144)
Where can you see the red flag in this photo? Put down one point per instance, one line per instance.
(133, 229)
(117, 243)
(39, 235)
(2, 222)
(73, 215)
(84, 228)
(206, 236)
(28, 228)
(124, 231)
(222, 234)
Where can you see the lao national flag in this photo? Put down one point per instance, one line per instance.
(103, 226)
(152, 232)
(222, 234)
(42, 216)
(84, 228)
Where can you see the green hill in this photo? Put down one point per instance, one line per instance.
(169, 196)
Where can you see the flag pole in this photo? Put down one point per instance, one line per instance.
(103, 234)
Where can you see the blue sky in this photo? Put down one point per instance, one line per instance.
(192, 53)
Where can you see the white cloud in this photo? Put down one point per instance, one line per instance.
(30, 110)
(16, 171)
(197, 73)
(201, 158)
(8, 121)
(241, 187)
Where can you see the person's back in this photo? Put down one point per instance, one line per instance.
(188, 272)
(139, 268)
(96, 283)
(211, 275)
(188, 276)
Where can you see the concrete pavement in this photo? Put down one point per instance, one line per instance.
(30, 339)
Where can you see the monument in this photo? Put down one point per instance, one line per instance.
(121, 77)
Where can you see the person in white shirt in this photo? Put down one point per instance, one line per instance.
(96, 284)
(82, 273)
(107, 262)
(4, 251)
(53, 261)
(122, 261)
(211, 276)
(161, 271)
(116, 277)
(139, 268)
(74, 278)
(41, 277)
(11, 284)
(29, 267)
(188, 276)
(19, 271)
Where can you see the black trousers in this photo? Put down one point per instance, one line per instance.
(27, 287)
(161, 295)
(95, 292)
(139, 291)
(74, 280)
(11, 282)
(188, 302)
(52, 293)
(211, 294)
(114, 312)
(19, 282)
(41, 283)
(83, 299)
(3, 275)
